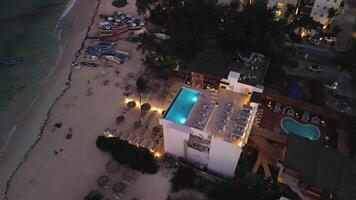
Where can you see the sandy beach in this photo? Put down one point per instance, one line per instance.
(72, 173)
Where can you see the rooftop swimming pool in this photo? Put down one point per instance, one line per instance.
(182, 104)
(308, 131)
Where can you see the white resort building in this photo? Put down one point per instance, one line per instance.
(209, 128)
(320, 10)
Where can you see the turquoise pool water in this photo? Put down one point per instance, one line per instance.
(309, 131)
(182, 105)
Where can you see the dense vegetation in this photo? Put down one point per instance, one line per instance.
(193, 24)
(250, 186)
(93, 195)
(135, 157)
(183, 178)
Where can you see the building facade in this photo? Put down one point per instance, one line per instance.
(321, 8)
(209, 128)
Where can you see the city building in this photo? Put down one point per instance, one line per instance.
(211, 65)
(209, 128)
(312, 170)
(319, 10)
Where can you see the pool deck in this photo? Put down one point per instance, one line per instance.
(272, 121)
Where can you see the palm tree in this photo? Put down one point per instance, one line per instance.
(143, 6)
(141, 86)
(332, 13)
(290, 10)
(336, 30)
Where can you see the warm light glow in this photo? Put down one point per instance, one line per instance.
(303, 33)
(280, 4)
(157, 155)
(240, 143)
(278, 13)
(109, 135)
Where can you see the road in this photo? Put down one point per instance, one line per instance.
(330, 71)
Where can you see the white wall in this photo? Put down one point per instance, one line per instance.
(235, 85)
(197, 156)
(320, 10)
(199, 133)
(175, 137)
(223, 157)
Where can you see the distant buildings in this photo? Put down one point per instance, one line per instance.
(209, 128)
(320, 9)
(314, 170)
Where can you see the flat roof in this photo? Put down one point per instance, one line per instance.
(321, 167)
(251, 66)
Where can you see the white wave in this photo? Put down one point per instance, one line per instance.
(69, 6)
(7, 140)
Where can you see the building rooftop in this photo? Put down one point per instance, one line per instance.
(321, 167)
(217, 113)
(251, 66)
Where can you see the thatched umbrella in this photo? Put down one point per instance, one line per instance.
(103, 180)
(119, 187)
(120, 119)
(131, 104)
(113, 166)
(146, 107)
(128, 176)
(94, 194)
(156, 130)
(137, 124)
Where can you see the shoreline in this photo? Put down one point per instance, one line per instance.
(55, 85)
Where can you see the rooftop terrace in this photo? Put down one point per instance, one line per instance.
(252, 67)
(218, 113)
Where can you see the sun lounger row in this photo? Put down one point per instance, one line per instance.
(203, 117)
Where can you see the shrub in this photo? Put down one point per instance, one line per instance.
(137, 158)
(183, 178)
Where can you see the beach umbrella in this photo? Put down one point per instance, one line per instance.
(131, 104)
(120, 119)
(146, 107)
(156, 130)
(94, 194)
(128, 176)
(113, 166)
(102, 180)
(119, 187)
(137, 124)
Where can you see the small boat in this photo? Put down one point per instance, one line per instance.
(14, 61)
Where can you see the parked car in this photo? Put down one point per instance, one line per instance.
(314, 40)
(330, 39)
(315, 68)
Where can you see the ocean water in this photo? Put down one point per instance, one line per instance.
(30, 30)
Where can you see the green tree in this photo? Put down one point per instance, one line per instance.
(144, 5)
(336, 30)
(289, 11)
(331, 13)
(347, 59)
(254, 29)
(93, 195)
(190, 24)
(183, 178)
(141, 86)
